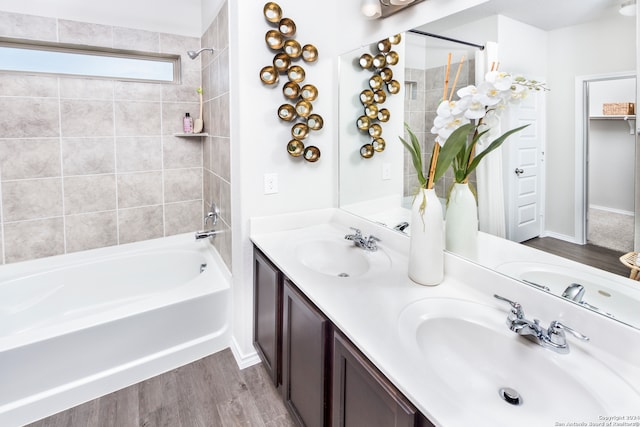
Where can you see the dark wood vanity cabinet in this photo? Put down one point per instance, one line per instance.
(324, 379)
(362, 396)
(305, 359)
(267, 314)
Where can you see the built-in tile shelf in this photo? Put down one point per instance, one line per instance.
(630, 119)
(190, 135)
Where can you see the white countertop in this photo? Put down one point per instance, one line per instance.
(367, 308)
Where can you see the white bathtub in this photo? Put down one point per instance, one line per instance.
(78, 326)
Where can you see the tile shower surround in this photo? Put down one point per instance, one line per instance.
(420, 111)
(87, 163)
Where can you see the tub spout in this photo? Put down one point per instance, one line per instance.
(205, 234)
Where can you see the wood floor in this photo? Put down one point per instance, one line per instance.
(210, 392)
(595, 256)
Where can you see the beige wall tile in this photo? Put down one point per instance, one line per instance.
(29, 158)
(207, 150)
(86, 118)
(173, 113)
(83, 156)
(183, 217)
(171, 43)
(225, 201)
(181, 152)
(21, 26)
(112, 142)
(28, 86)
(222, 242)
(140, 224)
(223, 26)
(91, 230)
(221, 157)
(85, 33)
(223, 115)
(186, 91)
(139, 153)
(33, 239)
(182, 185)
(79, 88)
(31, 199)
(29, 117)
(223, 71)
(139, 189)
(133, 39)
(136, 91)
(89, 193)
(207, 188)
(137, 118)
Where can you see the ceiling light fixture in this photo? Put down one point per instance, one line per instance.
(371, 9)
(628, 8)
(400, 2)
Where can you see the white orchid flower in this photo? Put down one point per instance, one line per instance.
(518, 93)
(450, 116)
(499, 79)
(489, 94)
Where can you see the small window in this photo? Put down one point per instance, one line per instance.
(74, 60)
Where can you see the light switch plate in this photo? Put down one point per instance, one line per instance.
(270, 183)
(386, 170)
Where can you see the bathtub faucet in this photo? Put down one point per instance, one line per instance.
(205, 234)
(212, 216)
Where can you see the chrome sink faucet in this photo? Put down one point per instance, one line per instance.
(553, 338)
(366, 243)
(574, 292)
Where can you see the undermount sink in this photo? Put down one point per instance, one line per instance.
(340, 258)
(478, 366)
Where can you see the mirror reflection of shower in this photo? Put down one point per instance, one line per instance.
(193, 54)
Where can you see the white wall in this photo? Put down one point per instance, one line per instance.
(601, 47)
(167, 16)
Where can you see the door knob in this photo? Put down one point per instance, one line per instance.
(519, 171)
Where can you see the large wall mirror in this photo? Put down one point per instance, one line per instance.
(572, 52)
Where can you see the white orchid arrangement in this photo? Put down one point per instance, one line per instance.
(474, 117)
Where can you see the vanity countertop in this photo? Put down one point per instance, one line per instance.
(367, 310)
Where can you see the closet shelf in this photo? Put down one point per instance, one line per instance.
(629, 118)
(611, 117)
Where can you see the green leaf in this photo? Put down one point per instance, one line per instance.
(451, 148)
(416, 155)
(495, 144)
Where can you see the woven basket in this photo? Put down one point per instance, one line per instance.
(618, 109)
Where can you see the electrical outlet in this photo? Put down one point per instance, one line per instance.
(270, 183)
(386, 170)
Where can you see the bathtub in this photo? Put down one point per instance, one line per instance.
(75, 327)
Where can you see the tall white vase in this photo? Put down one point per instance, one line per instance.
(461, 225)
(426, 252)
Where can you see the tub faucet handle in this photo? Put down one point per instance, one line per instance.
(214, 213)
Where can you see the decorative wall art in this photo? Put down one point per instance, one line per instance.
(299, 96)
(380, 84)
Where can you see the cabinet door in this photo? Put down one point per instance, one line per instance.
(362, 396)
(267, 314)
(305, 361)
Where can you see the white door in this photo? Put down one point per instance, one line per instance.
(524, 171)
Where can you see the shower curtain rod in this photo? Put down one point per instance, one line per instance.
(479, 46)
